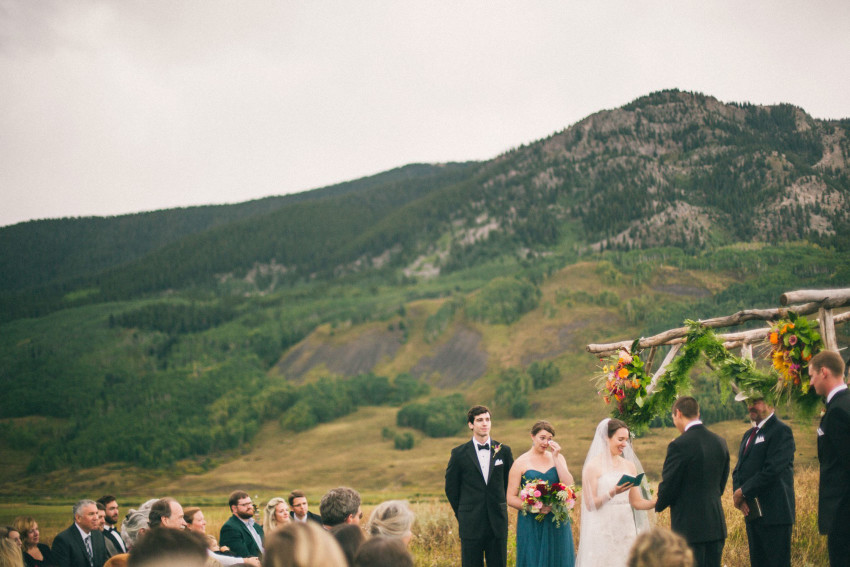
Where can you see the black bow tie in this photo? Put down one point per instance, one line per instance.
(485, 447)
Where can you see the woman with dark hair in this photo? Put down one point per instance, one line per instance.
(350, 537)
(613, 511)
(541, 543)
(36, 554)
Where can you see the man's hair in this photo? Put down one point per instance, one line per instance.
(105, 500)
(159, 548)
(160, 509)
(295, 494)
(100, 506)
(236, 496)
(475, 411)
(830, 360)
(338, 504)
(687, 406)
(302, 545)
(80, 505)
(660, 548)
(382, 551)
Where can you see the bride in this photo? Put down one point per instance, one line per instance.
(612, 513)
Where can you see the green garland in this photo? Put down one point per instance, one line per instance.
(730, 369)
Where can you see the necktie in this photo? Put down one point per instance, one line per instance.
(750, 439)
(484, 447)
(89, 551)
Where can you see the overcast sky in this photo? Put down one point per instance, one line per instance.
(112, 107)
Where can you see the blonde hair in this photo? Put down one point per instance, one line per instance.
(660, 548)
(302, 545)
(10, 554)
(392, 518)
(269, 523)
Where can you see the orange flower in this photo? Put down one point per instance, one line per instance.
(807, 358)
(624, 372)
(774, 338)
(635, 384)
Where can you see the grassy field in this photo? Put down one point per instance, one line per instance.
(435, 541)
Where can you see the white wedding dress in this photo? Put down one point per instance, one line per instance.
(607, 531)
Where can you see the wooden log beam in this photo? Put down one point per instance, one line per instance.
(732, 340)
(827, 329)
(835, 297)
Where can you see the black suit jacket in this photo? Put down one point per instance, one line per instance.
(834, 457)
(235, 535)
(69, 550)
(766, 471)
(693, 478)
(481, 509)
(310, 516)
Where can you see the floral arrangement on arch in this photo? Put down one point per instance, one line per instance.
(623, 383)
(558, 496)
(793, 342)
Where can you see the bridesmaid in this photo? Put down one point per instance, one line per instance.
(541, 544)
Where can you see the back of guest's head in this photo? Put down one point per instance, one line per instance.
(119, 560)
(381, 551)
(10, 553)
(830, 360)
(169, 548)
(350, 537)
(159, 510)
(660, 547)
(392, 518)
(687, 406)
(338, 504)
(135, 523)
(302, 545)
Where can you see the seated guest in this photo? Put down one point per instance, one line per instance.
(300, 508)
(36, 554)
(302, 545)
(240, 532)
(112, 537)
(135, 524)
(392, 518)
(12, 535)
(275, 515)
(10, 553)
(81, 544)
(660, 548)
(195, 522)
(166, 513)
(340, 506)
(162, 547)
(350, 537)
(381, 551)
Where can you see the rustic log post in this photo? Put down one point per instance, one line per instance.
(836, 297)
(663, 368)
(827, 329)
(650, 358)
(747, 351)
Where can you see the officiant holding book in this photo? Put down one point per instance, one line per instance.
(763, 484)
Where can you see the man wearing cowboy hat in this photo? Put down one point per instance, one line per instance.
(763, 483)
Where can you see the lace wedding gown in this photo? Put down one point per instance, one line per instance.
(608, 532)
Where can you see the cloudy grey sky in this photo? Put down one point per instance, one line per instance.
(116, 106)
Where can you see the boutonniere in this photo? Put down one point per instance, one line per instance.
(496, 448)
(822, 412)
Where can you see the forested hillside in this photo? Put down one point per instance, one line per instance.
(183, 332)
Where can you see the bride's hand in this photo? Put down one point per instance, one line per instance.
(556, 449)
(620, 488)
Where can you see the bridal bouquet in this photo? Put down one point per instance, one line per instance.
(558, 496)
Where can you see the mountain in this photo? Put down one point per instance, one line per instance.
(187, 331)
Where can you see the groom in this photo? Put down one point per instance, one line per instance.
(476, 483)
(693, 477)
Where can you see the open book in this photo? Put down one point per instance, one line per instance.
(625, 479)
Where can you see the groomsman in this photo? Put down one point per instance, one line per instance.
(763, 484)
(826, 376)
(476, 483)
(693, 478)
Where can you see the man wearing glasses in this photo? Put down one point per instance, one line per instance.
(240, 533)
